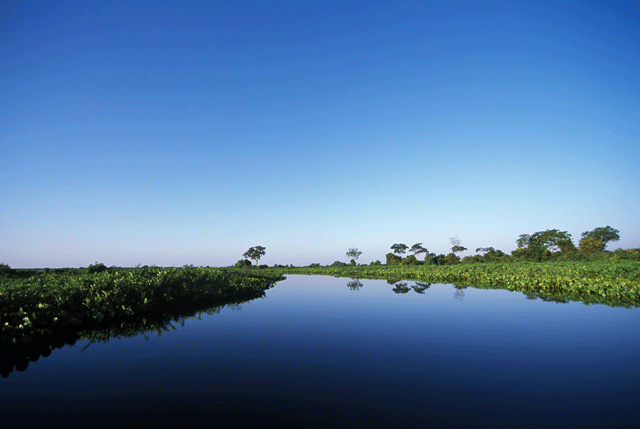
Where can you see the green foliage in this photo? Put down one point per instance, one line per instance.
(417, 248)
(255, 253)
(606, 281)
(456, 247)
(620, 254)
(451, 259)
(43, 305)
(409, 260)
(567, 246)
(550, 239)
(338, 264)
(376, 263)
(243, 263)
(489, 254)
(5, 269)
(438, 259)
(353, 254)
(591, 244)
(96, 268)
(393, 259)
(606, 234)
(47, 310)
(531, 253)
(399, 248)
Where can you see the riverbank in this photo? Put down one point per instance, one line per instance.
(46, 303)
(616, 282)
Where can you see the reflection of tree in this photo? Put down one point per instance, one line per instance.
(459, 293)
(401, 288)
(354, 284)
(546, 298)
(420, 287)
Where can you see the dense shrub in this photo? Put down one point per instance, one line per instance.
(338, 264)
(452, 259)
(495, 256)
(591, 245)
(409, 260)
(243, 263)
(630, 254)
(96, 268)
(393, 259)
(5, 269)
(531, 253)
(376, 263)
(437, 259)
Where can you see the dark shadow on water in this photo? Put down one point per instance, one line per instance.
(21, 354)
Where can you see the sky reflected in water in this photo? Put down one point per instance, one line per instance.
(317, 353)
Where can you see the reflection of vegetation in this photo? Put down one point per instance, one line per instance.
(354, 284)
(401, 287)
(459, 294)
(614, 282)
(420, 287)
(48, 310)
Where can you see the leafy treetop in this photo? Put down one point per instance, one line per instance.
(255, 253)
(606, 234)
(353, 253)
(399, 248)
(417, 248)
(456, 247)
(551, 239)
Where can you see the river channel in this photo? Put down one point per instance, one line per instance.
(335, 352)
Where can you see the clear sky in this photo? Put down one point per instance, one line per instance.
(181, 132)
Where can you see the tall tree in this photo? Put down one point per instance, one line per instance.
(417, 248)
(353, 253)
(456, 247)
(606, 234)
(255, 253)
(551, 239)
(399, 248)
(591, 245)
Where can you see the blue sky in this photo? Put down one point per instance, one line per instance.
(173, 133)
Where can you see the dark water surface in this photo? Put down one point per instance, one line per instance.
(316, 352)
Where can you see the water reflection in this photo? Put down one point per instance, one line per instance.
(401, 287)
(398, 287)
(354, 284)
(19, 355)
(316, 354)
(421, 287)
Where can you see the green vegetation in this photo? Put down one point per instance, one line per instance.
(255, 253)
(612, 281)
(41, 310)
(353, 254)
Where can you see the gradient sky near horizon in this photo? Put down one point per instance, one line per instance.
(172, 133)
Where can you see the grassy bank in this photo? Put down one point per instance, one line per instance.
(617, 280)
(39, 310)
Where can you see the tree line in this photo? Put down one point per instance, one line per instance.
(539, 246)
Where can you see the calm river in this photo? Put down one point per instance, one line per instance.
(331, 352)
